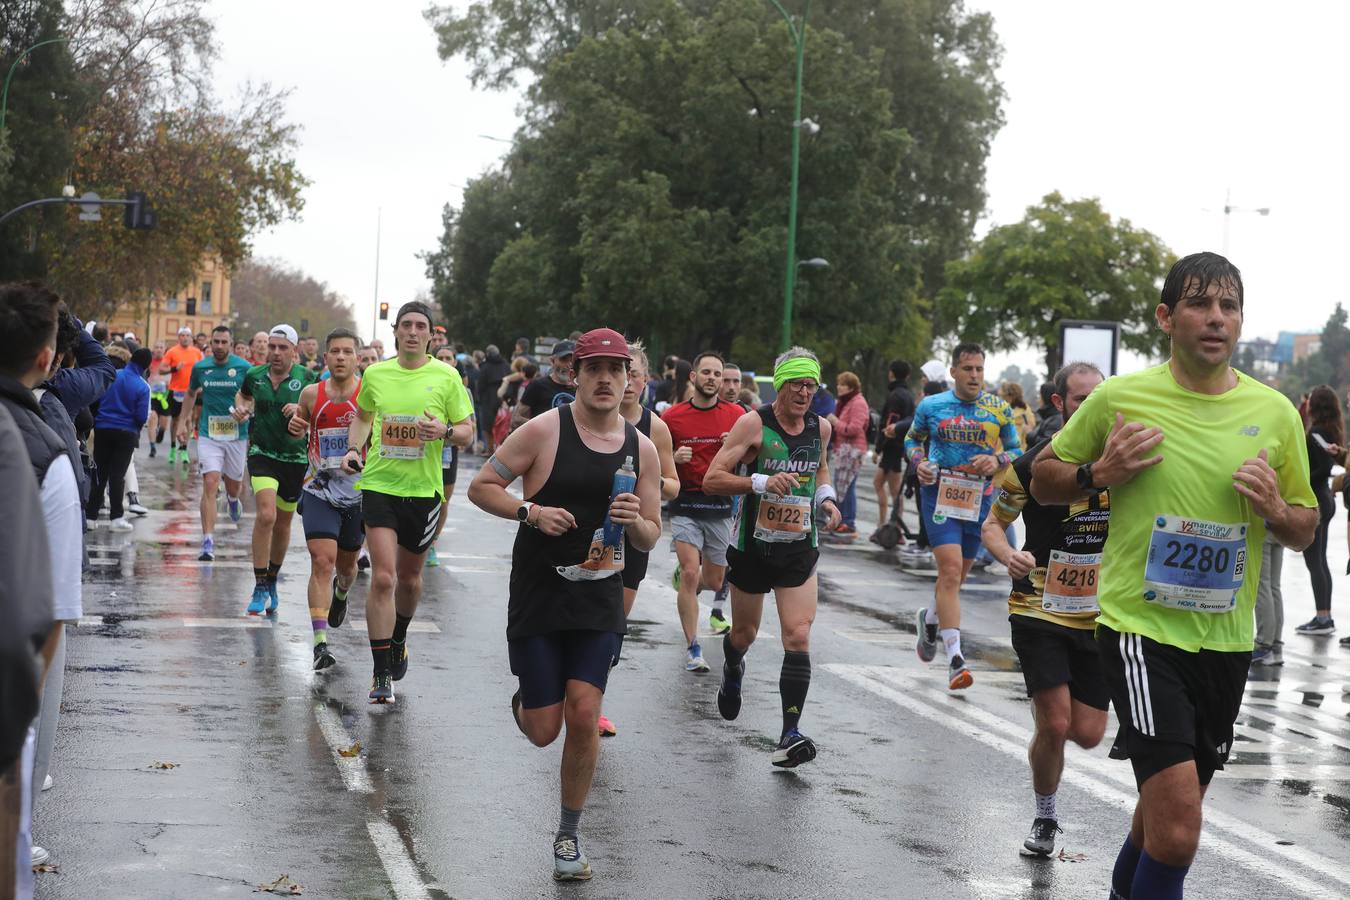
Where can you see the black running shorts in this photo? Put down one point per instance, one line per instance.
(324, 521)
(545, 663)
(634, 566)
(448, 473)
(413, 519)
(1052, 655)
(290, 477)
(892, 458)
(754, 574)
(1173, 705)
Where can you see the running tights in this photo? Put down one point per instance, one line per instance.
(1315, 557)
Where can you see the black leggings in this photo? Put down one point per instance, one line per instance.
(113, 449)
(1315, 557)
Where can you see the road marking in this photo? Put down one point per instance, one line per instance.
(1087, 772)
(352, 769)
(398, 865)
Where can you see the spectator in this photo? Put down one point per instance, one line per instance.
(1269, 650)
(1024, 420)
(547, 391)
(1047, 407)
(682, 387)
(513, 384)
(848, 446)
(522, 350)
(1326, 442)
(897, 414)
(491, 371)
(121, 415)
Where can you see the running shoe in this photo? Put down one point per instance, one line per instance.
(183, 457)
(1345, 642)
(152, 451)
(1267, 656)
(323, 657)
(694, 662)
(47, 783)
(719, 623)
(569, 863)
(208, 549)
(134, 506)
(729, 692)
(121, 525)
(398, 659)
(259, 601)
(607, 728)
(173, 454)
(794, 749)
(1317, 625)
(958, 675)
(432, 559)
(515, 713)
(382, 688)
(273, 601)
(337, 608)
(1041, 841)
(235, 506)
(926, 645)
(38, 855)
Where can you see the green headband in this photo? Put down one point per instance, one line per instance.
(797, 367)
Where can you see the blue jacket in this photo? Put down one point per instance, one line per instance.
(126, 405)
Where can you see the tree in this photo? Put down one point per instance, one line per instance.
(1028, 380)
(1067, 259)
(1329, 364)
(267, 291)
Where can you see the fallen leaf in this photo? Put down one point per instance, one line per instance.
(45, 867)
(163, 765)
(349, 752)
(1066, 856)
(283, 885)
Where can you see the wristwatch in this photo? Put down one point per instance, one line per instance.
(523, 512)
(1085, 477)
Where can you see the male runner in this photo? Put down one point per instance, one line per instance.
(277, 459)
(222, 441)
(330, 504)
(731, 384)
(546, 391)
(177, 363)
(897, 413)
(366, 357)
(1053, 609)
(565, 619)
(258, 349)
(1183, 557)
(788, 486)
(159, 402)
(962, 427)
(408, 407)
(700, 523)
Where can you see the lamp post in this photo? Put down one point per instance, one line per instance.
(798, 32)
(4, 95)
(1229, 209)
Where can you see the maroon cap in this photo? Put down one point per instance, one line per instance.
(601, 342)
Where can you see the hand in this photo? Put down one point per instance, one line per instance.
(985, 464)
(289, 409)
(429, 428)
(1020, 563)
(889, 430)
(351, 462)
(832, 517)
(832, 419)
(182, 434)
(625, 510)
(875, 456)
(781, 483)
(554, 521)
(239, 413)
(1335, 450)
(928, 473)
(1257, 481)
(1123, 455)
(684, 454)
(297, 425)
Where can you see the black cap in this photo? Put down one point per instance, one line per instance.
(563, 348)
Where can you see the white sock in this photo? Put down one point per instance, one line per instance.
(1045, 807)
(951, 639)
(208, 535)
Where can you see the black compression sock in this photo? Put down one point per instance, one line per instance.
(159, 436)
(379, 651)
(793, 683)
(260, 576)
(401, 627)
(730, 654)
(273, 569)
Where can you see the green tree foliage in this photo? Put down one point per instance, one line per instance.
(264, 292)
(1329, 365)
(648, 188)
(1067, 259)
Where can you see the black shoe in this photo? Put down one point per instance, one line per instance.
(337, 608)
(1041, 841)
(794, 749)
(729, 692)
(362, 563)
(152, 451)
(381, 688)
(323, 657)
(398, 659)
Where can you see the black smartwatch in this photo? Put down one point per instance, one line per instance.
(523, 512)
(1085, 477)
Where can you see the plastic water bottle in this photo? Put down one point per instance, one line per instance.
(625, 480)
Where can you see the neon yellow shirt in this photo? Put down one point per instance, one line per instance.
(1182, 519)
(399, 464)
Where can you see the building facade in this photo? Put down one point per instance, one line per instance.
(201, 306)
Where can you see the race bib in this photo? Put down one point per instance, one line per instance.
(332, 447)
(447, 455)
(1071, 582)
(398, 438)
(222, 428)
(959, 497)
(179, 395)
(783, 518)
(1194, 565)
(601, 561)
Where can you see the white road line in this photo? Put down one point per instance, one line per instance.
(398, 865)
(1089, 774)
(352, 769)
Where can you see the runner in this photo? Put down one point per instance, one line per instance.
(177, 363)
(1053, 609)
(897, 414)
(222, 439)
(565, 619)
(449, 464)
(700, 523)
(1183, 557)
(258, 349)
(408, 408)
(962, 427)
(276, 459)
(366, 358)
(788, 486)
(159, 401)
(330, 504)
(731, 384)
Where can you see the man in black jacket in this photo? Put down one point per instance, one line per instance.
(889, 454)
(490, 374)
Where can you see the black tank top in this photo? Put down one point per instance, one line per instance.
(542, 599)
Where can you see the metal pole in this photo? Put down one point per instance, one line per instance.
(1227, 213)
(375, 328)
(798, 33)
(31, 203)
(4, 96)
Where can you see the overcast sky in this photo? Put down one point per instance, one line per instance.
(1157, 108)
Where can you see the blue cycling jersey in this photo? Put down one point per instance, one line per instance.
(958, 430)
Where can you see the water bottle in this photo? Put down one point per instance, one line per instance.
(625, 480)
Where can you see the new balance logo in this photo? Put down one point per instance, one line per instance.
(1250, 430)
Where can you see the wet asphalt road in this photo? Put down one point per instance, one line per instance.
(916, 793)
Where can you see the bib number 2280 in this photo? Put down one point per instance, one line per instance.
(1195, 565)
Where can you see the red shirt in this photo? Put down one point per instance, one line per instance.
(702, 430)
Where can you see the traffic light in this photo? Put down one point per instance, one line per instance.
(384, 311)
(137, 214)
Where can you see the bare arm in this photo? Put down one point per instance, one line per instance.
(994, 534)
(640, 513)
(358, 433)
(1055, 482)
(670, 476)
(832, 516)
(461, 434)
(299, 423)
(514, 458)
(742, 443)
(185, 419)
(1293, 526)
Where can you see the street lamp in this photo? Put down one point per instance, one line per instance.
(4, 96)
(1229, 209)
(798, 32)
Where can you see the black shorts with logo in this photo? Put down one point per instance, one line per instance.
(1052, 654)
(413, 519)
(755, 574)
(290, 477)
(1173, 705)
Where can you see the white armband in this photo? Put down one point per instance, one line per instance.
(759, 482)
(826, 492)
